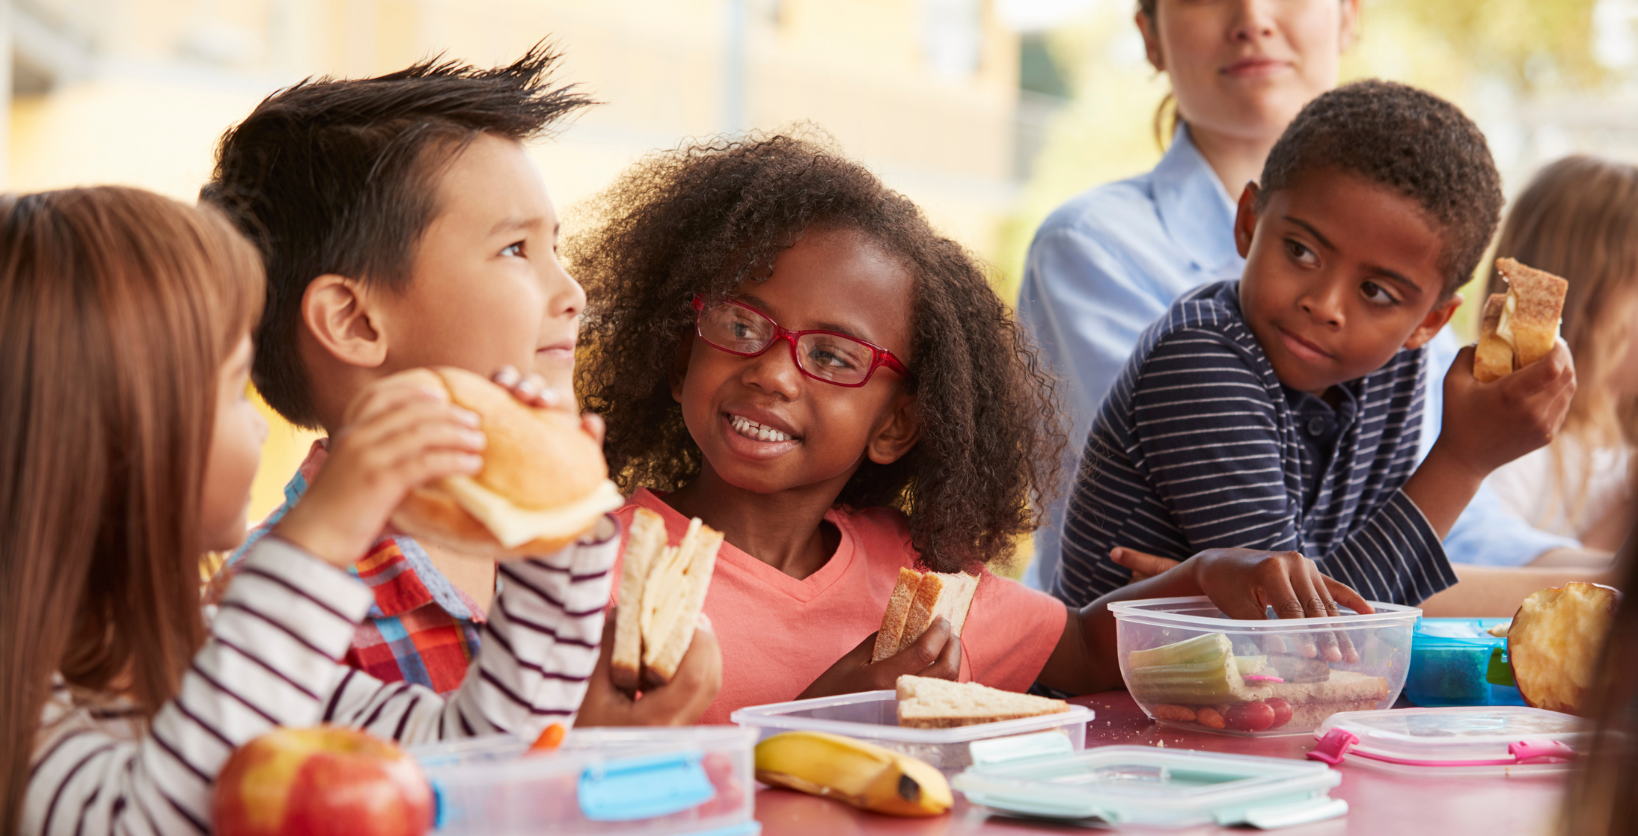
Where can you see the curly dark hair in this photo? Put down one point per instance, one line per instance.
(1410, 141)
(708, 216)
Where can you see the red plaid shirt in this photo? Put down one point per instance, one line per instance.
(421, 628)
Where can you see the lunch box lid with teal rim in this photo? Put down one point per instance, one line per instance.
(1479, 740)
(1148, 786)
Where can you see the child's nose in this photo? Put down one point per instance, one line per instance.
(775, 371)
(564, 295)
(1324, 303)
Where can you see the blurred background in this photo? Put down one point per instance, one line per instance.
(989, 113)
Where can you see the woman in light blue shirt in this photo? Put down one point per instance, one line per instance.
(1111, 261)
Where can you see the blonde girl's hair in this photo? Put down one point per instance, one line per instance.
(118, 308)
(1579, 219)
(1599, 800)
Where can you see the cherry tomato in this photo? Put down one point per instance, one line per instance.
(1282, 712)
(1250, 716)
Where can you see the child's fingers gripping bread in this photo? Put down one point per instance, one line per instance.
(662, 591)
(918, 599)
(1527, 322)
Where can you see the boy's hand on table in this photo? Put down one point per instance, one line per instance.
(397, 435)
(1245, 583)
(532, 390)
(936, 654)
(1487, 425)
(680, 702)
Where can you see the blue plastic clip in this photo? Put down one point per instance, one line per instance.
(644, 788)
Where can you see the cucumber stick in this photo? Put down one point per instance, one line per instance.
(1193, 672)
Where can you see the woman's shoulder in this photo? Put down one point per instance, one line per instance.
(1110, 212)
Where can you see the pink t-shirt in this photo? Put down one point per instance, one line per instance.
(778, 634)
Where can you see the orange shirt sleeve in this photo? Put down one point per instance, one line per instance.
(1011, 630)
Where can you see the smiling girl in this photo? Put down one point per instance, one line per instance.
(787, 350)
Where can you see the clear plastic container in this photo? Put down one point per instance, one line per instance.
(607, 782)
(1188, 665)
(1150, 787)
(873, 716)
(1495, 740)
(1455, 661)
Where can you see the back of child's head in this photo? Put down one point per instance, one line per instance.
(706, 218)
(1579, 219)
(1410, 142)
(341, 177)
(118, 308)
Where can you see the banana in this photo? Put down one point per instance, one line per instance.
(861, 774)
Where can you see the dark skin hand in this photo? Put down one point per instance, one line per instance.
(1237, 580)
(935, 654)
(680, 702)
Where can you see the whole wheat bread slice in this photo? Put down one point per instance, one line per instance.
(697, 558)
(644, 546)
(898, 611)
(927, 703)
(939, 594)
(1538, 302)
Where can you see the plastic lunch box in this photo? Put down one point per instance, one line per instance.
(873, 716)
(1455, 661)
(1188, 665)
(1495, 740)
(608, 782)
(1147, 786)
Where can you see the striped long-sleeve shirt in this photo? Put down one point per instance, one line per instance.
(273, 658)
(1199, 446)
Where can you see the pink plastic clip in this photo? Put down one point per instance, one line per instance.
(1334, 746)
(1544, 751)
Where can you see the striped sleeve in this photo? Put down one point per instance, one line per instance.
(539, 647)
(274, 648)
(1210, 439)
(273, 659)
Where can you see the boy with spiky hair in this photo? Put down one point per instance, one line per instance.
(1281, 411)
(403, 225)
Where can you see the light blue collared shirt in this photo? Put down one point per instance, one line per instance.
(1113, 259)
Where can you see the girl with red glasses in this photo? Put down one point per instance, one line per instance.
(786, 349)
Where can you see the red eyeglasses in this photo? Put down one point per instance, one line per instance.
(834, 358)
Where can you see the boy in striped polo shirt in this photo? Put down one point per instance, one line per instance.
(1281, 411)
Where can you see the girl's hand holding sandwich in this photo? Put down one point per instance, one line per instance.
(936, 654)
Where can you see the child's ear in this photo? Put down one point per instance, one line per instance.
(1245, 220)
(901, 431)
(679, 367)
(1151, 41)
(337, 313)
(1435, 320)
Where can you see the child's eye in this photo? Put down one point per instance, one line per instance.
(1377, 295)
(1300, 252)
(833, 356)
(515, 248)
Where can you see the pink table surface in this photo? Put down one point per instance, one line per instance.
(1379, 802)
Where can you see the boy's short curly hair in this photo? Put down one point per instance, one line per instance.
(1407, 140)
(708, 216)
(341, 175)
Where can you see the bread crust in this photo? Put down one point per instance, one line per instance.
(648, 539)
(898, 612)
(1493, 359)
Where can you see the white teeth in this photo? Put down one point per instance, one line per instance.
(751, 429)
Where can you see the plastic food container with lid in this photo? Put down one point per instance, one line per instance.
(1456, 661)
(600, 782)
(1187, 665)
(1147, 786)
(1495, 740)
(872, 716)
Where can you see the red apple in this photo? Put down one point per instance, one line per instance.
(320, 781)
(1555, 641)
